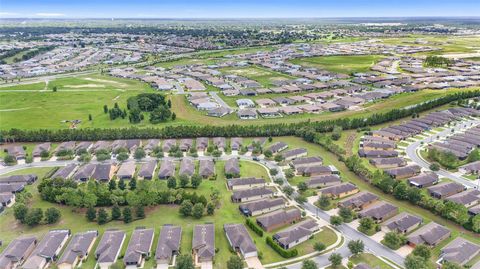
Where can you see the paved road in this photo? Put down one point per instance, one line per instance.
(219, 100)
(413, 154)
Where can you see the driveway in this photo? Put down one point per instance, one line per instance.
(254, 262)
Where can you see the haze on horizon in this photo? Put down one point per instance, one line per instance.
(236, 9)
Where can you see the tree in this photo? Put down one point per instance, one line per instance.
(346, 214)
(366, 225)
(273, 171)
(401, 191)
(196, 180)
(235, 263)
(140, 212)
(210, 208)
(171, 183)
(415, 262)
(91, 214)
(434, 167)
(54, 89)
(90, 118)
(132, 184)
(288, 190)
(394, 240)
(268, 153)
(105, 109)
(337, 132)
(122, 156)
(335, 259)
(324, 202)
(422, 251)
(121, 184)
(319, 246)
(127, 215)
(112, 185)
(174, 116)
(309, 264)
(302, 186)
(186, 208)
(278, 158)
(34, 216)
(197, 211)
(52, 215)
(183, 180)
(356, 246)
(451, 265)
(336, 220)
(476, 223)
(184, 261)
(116, 212)
(102, 216)
(139, 153)
(161, 114)
(20, 211)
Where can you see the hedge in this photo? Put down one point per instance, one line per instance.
(254, 227)
(285, 253)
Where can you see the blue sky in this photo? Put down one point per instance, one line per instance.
(235, 9)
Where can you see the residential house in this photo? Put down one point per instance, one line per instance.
(294, 153)
(83, 147)
(17, 252)
(126, 170)
(240, 240)
(277, 147)
(206, 168)
(261, 206)
(470, 168)
(109, 248)
(47, 250)
(403, 172)
(379, 212)
(460, 251)
(232, 168)
(236, 143)
(85, 172)
(168, 243)
(167, 169)
(279, 218)
(187, 167)
(323, 181)
(247, 195)
(359, 201)
(41, 148)
(17, 152)
(386, 163)
(147, 170)
(203, 242)
(467, 198)
(185, 144)
(151, 145)
(296, 234)
(340, 190)
(65, 172)
(430, 234)
(27, 179)
(77, 250)
(168, 144)
(104, 171)
(306, 161)
(201, 144)
(220, 143)
(138, 248)
(424, 180)
(247, 114)
(318, 170)
(403, 223)
(442, 191)
(245, 183)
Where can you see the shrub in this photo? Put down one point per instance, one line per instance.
(254, 227)
(290, 253)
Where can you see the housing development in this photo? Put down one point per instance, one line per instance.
(238, 143)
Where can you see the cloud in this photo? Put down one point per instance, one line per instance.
(49, 14)
(8, 14)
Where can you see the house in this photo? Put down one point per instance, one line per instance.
(138, 248)
(430, 234)
(109, 248)
(7, 199)
(236, 143)
(187, 167)
(185, 144)
(83, 147)
(206, 168)
(65, 172)
(247, 195)
(277, 147)
(77, 250)
(294, 153)
(340, 190)
(232, 168)
(245, 183)
(245, 103)
(65, 147)
(147, 170)
(261, 206)
(17, 152)
(247, 114)
(446, 189)
(85, 172)
(379, 212)
(11, 187)
(240, 240)
(296, 234)
(377, 153)
(41, 148)
(386, 163)
(203, 242)
(403, 172)
(201, 144)
(378, 146)
(318, 170)
(220, 143)
(17, 252)
(151, 145)
(168, 144)
(126, 170)
(423, 180)
(168, 243)
(471, 168)
(27, 179)
(104, 171)
(323, 181)
(219, 112)
(460, 251)
(279, 218)
(167, 169)
(403, 223)
(47, 250)
(359, 201)
(306, 161)
(467, 198)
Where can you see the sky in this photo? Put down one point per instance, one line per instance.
(235, 9)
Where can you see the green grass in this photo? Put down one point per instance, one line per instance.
(340, 64)
(369, 259)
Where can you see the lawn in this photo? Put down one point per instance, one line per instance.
(159, 215)
(369, 259)
(340, 64)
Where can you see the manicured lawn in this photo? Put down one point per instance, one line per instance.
(340, 64)
(369, 259)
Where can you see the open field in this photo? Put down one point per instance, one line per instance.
(340, 64)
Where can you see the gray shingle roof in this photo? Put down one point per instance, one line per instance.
(16, 251)
(47, 248)
(206, 167)
(339, 189)
(459, 251)
(239, 238)
(244, 181)
(430, 234)
(64, 172)
(402, 222)
(325, 179)
(296, 232)
(279, 217)
(78, 247)
(126, 170)
(251, 193)
(187, 167)
(139, 246)
(358, 200)
(379, 210)
(169, 242)
(232, 166)
(167, 168)
(109, 246)
(261, 204)
(203, 241)
(147, 169)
